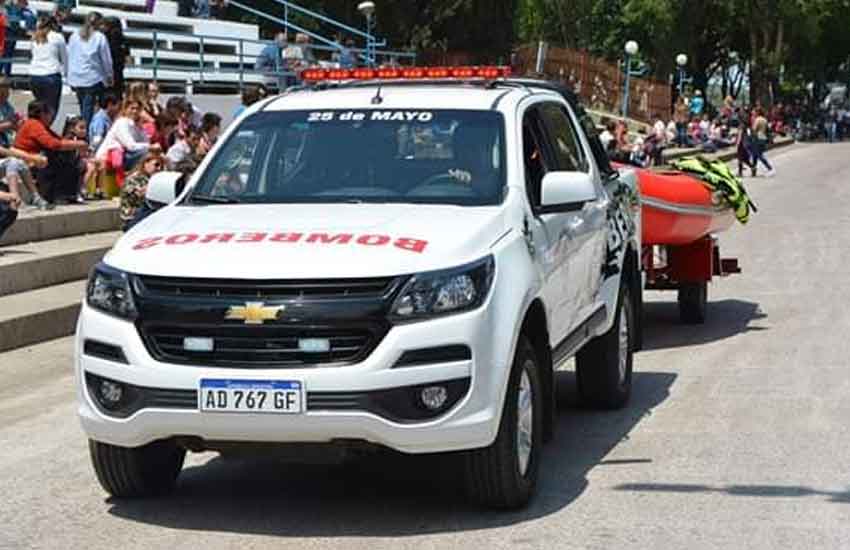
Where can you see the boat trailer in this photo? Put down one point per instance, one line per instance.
(687, 269)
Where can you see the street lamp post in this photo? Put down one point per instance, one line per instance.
(368, 10)
(681, 61)
(631, 50)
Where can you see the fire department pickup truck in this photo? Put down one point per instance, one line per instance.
(395, 259)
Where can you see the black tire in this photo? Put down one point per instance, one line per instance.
(493, 475)
(601, 383)
(693, 303)
(137, 471)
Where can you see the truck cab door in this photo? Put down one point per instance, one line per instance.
(588, 227)
(551, 235)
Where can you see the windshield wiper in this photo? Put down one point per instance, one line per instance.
(212, 199)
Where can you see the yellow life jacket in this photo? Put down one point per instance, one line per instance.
(718, 177)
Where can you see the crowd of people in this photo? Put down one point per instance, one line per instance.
(291, 57)
(129, 138)
(122, 131)
(693, 126)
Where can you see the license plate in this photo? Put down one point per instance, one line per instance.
(252, 396)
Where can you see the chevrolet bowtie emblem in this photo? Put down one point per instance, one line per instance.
(254, 313)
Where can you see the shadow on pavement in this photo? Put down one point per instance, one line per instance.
(725, 318)
(392, 494)
(782, 491)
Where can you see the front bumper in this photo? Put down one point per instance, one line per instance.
(471, 423)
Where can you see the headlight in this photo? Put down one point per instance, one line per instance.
(447, 291)
(108, 290)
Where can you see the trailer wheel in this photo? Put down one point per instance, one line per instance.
(693, 301)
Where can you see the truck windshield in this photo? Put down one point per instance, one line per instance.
(351, 156)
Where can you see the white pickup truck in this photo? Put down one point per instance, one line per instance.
(392, 263)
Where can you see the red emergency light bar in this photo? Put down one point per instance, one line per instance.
(407, 73)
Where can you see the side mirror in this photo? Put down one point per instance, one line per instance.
(565, 192)
(162, 188)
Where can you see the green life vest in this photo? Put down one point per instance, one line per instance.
(718, 177)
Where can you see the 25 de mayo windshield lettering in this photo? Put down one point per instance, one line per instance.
(358, 116)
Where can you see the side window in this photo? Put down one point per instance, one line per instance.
(232, 168)
(566, 146)
(533, 156)
(596, 147)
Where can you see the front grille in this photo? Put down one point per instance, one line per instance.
(258, 347)
(266, 289)
(351, 314)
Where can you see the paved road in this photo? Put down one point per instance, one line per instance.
(737, 436)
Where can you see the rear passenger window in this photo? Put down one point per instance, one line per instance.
(566, 146)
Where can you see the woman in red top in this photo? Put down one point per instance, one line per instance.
(36, 137)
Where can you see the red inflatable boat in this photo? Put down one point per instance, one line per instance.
(679, 209)
(679, 218)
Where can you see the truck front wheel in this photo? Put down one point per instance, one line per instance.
(604, 365)
(504, 475)
(138, 471)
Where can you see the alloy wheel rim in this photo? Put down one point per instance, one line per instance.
(525, 420)
(623, 339)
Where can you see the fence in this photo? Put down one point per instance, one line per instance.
(599, 82)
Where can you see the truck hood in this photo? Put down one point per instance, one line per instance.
(306, 240)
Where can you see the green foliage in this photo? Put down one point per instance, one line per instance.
(805, 38)
(801, 39)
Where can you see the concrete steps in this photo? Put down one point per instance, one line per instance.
(66, 221)
(36, 265)
(39, 315)
(45, 259)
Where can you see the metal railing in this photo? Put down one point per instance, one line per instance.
(216, 55)
(369, 55)
(242, 63)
